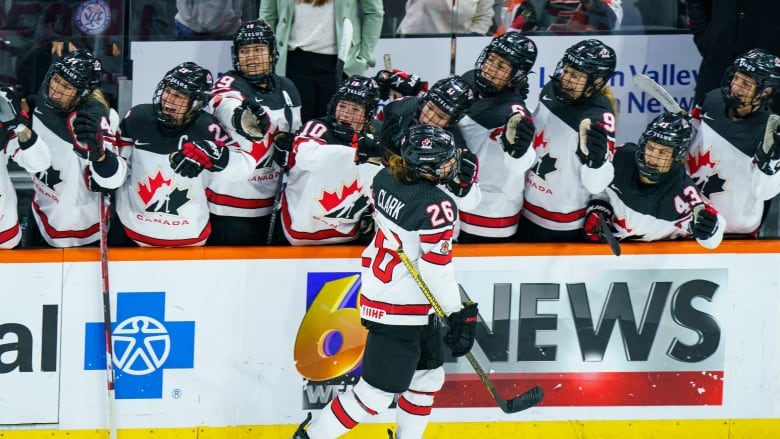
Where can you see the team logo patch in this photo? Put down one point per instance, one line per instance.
(92, 17)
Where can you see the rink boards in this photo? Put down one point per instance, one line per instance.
(667, 339)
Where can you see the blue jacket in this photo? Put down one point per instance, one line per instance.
(279, 14)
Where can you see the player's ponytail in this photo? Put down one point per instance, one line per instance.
(607, 92)
(98, 96)
(397, 168)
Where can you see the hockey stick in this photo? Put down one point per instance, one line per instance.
(655, 90)
(283, 177)
(453, 36)
(103, 205)
(606, 233)
(343, 49)
(519, 403)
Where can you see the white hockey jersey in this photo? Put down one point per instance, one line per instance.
(64, 207)
(253, 196)
(156, 206)
(654, 212)
(558, 186)
(326, 192)
(422, 219)
(34, 158)
(500, 177)
(721, 163)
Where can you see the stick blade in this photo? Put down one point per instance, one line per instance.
(524, 401)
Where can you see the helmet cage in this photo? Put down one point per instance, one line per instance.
(79, 68)
(668, 129)
(187, 78)
(592, 57)
(517, 50)
(360, 90)
(255, 32)
(762, 67)
(452, 95)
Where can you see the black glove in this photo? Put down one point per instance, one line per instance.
(283, 153)
(400, 82)
(86, 134)
(367, 148)
(194, 157)
(518, 134)
(705, 221)
(525, 18)
(596, 144)
(460, 183)
(11, 115)
(251, 120)
(592, 227)
(769, 149)
(462, 328)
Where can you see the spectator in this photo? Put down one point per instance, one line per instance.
(563, 15)
(207, 19)
(251, 102)
(72, 118)
(441, 106)
(574, 139)
(499, 129)
(308, 33)
(735, 160)
(331, 165)
(168, 144)
(404, 350)
(436, 17)
(652, 197)
(27, 149)
(725, 29)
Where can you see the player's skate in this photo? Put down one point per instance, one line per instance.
(300, 433)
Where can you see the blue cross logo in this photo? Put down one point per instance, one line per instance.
(144, 345)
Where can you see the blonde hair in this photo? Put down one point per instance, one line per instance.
(607, 92)
(397, 168)
(99, 97)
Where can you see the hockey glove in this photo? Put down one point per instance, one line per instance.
(194, 157)
(402, 83)
(592, 227)
(593, 144)
(705, 221)
(460, 183)
(518, 134)
(769, 149)
(525, 18)
(462, 328)
(87, 136)
(283, 152)
(11, 115)
(251, 120)
(368, 148)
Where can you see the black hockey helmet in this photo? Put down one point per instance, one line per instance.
(189, 79)
(761, 66)
(592, 57)
(427, 150)
(360, 90)
(255, 32)
(674, 130)
(452, 95)
(514, 47)
(81, 69)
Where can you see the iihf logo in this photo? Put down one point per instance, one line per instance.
(92, 17)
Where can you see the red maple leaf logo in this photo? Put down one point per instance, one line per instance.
(331, 200)
(539, 140)
(701, 160)
(621, 222)
(146, 192)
